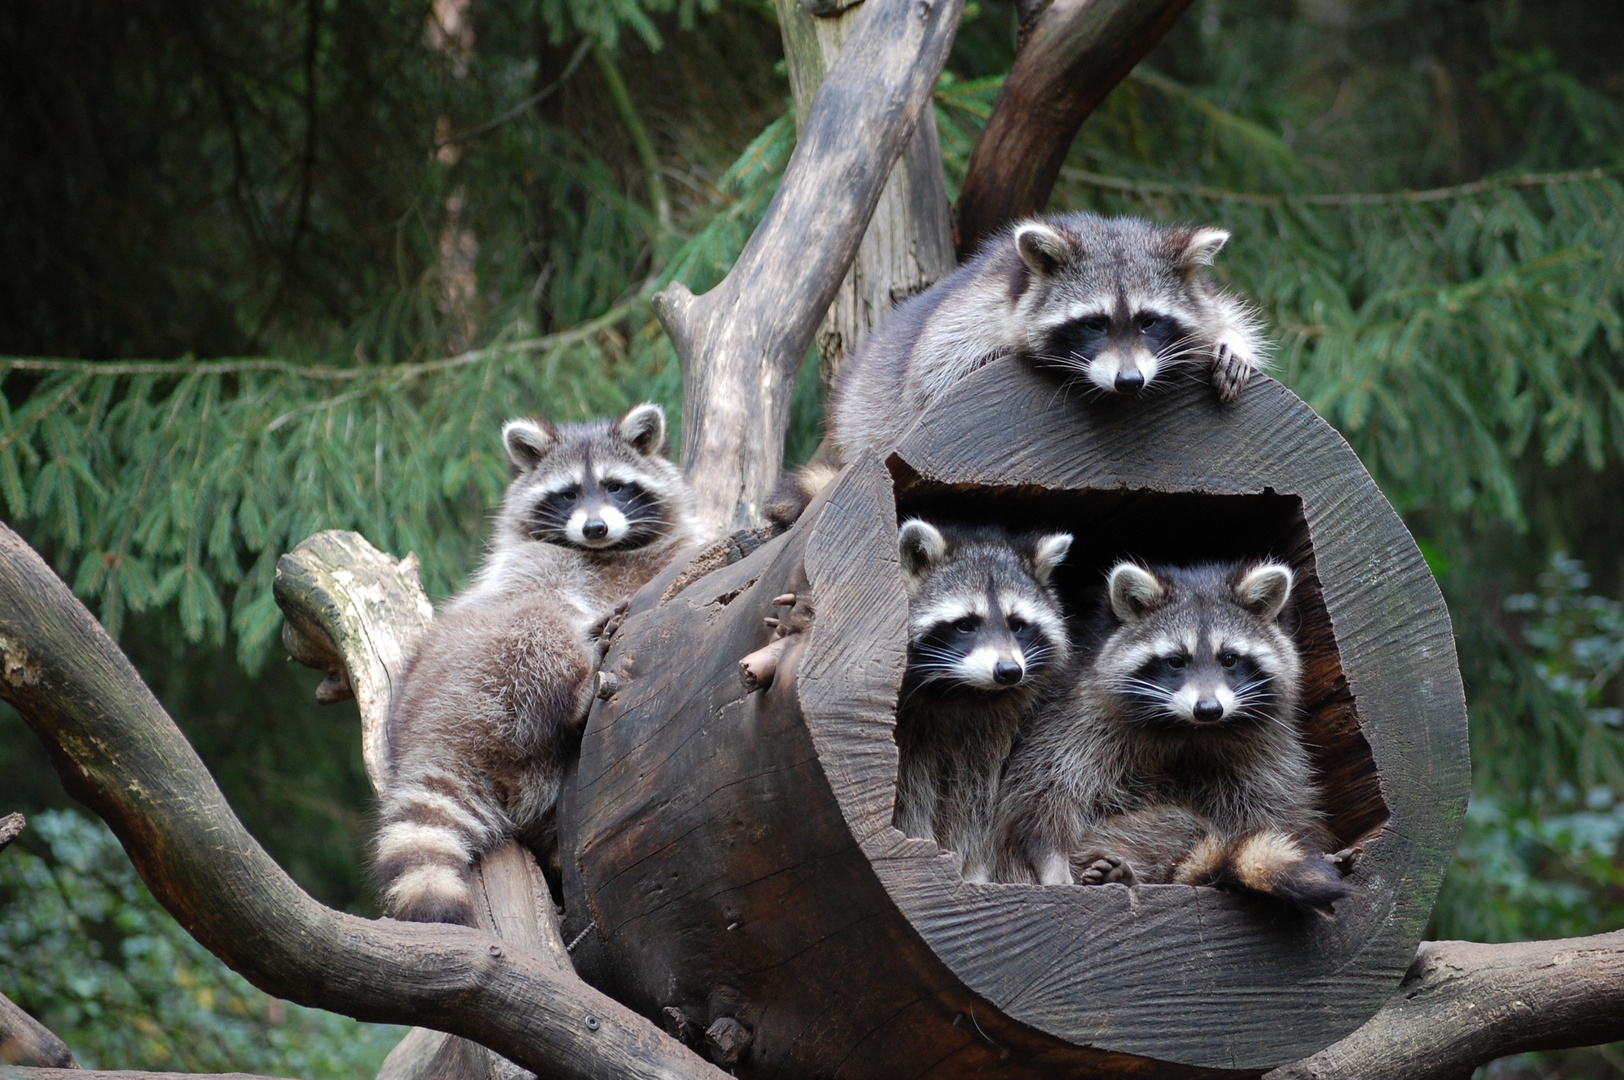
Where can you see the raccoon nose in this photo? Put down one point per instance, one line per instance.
(1129, 382)
(1208, 709)
(1007, 673)
(596, 529)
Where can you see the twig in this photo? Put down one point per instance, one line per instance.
(1375, 198)
(528, 103)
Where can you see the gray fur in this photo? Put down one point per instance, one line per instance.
(1136, 737)
(500, 681)
(956, 721)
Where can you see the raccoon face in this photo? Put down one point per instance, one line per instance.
(596, 486)
(1112, 299)
(981, 613)
(1200, 648)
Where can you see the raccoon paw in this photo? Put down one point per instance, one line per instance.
(604, 630)
(1233, 364)
(1343, 860)
(1108, 869)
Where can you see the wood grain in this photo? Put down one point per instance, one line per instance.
(26, 1041)
(1072, 54)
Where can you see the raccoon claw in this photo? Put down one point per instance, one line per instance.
(604, 630)
(1230, 370)
(1343, 860)
(1108, 870)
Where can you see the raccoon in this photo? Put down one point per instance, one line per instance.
(1178, 746)
(986, 638)
(1113, 304)
(500, 680)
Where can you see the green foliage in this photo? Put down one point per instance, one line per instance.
(86, 949)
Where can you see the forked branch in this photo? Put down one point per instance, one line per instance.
(742, 343)
(122, 756)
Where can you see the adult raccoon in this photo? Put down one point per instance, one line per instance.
(499, 682)
(1113, 304)
(1177, 757)
(986, 637)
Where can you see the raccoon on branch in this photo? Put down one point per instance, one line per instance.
(986, 638)
(501, 679)
(1110, 305)
(1177, 757)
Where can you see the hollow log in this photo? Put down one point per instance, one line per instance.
(729, 853)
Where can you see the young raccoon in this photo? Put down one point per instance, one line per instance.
(1178, 746)
(1114, 303)
(500, 680)
(986, 637)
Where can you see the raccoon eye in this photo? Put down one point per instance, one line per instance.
(613, 487)
(1148, 323)
(1096, 325)
(967, 624)
(1229, 658)
(1017, 624)
(1176, 663)
(569, 495)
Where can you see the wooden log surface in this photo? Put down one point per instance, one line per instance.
(742, 343)
(121, 755)
(1072, 54)
(729, 840)
(26, 1041)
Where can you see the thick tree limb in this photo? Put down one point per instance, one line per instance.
(742, 343)
(1463, 1004)
(1073, 52)
(26, 1041)
(121, 755)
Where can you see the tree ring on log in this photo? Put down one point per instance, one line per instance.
(721, 836)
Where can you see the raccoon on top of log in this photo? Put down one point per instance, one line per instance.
(1113, 305)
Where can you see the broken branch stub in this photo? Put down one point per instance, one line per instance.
(742, 342)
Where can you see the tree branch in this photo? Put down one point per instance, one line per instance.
(26, 1041)
(121, 755)
(1073, 53)
(1463, 1004)
(11, 827)
(742, 343)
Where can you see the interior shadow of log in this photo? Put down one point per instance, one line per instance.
(730, 855)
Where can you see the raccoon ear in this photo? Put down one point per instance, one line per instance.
(643, 428)
(920, 544)
(527, 442)
(1202, 246)
(1051, 552)
(1134, 591)
(1264, 589)
(1043, 249)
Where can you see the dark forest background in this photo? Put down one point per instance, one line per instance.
(274, 266)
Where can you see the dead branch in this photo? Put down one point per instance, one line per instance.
(1463, 1004)
(742, 343)
(26, 1041)
(11, 827)
(1073, 53)
(121, 755)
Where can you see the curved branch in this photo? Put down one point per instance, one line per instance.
(121, 755)
(1073, 53)
(1463, 1004)
(742, 343)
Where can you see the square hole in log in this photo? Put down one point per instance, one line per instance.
(1187, 528)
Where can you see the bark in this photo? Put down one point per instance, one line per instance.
(742, 343)
(11, 827)
(909, 242)
(26, 1041)
(1463, 1004)
(1073, 53)
(121, 755)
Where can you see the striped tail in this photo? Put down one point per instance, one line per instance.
(435, 826)
(796, 491)
(1265, 862)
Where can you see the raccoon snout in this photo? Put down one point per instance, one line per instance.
(1007, 673)
(1208, 710)
(596, 529)
(1129, 382)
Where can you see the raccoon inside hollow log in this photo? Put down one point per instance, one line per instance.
(733, 855)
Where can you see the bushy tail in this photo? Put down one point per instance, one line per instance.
(435, 825)
(1267, 862)
(796, 491)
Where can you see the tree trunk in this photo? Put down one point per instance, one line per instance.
(908, 245)
(733, 856)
